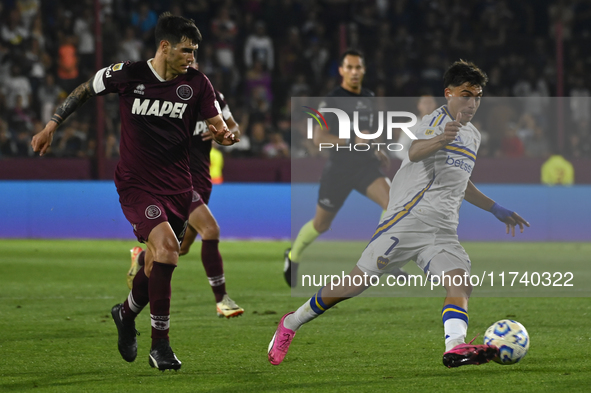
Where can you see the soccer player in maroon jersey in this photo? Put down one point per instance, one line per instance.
(160, 102)
(201, 220)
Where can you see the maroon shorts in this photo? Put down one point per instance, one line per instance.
(145, 211)
(200, 197)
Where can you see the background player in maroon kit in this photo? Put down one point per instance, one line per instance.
(160, 101)
(201, 220)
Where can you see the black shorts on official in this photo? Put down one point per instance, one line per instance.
(337, 182)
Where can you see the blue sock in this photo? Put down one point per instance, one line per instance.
(308, 311)
(317, 304)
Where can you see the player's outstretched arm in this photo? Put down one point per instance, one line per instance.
(220, 132)
(424, 148)
(510, 218)
(232, 125)
(42, 140)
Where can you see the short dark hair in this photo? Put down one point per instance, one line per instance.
(463, 71)
(174, 28)
(350, 52)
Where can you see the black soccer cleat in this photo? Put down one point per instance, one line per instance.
(162, 357)
(127, 342)
(288, 267)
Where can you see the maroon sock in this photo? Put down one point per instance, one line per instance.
(138, 297)
(214, 268)
(159, 290)
(141, 259)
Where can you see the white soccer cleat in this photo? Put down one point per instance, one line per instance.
(228, 308)
(135, 266)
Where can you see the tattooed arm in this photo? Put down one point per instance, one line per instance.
(79, 96)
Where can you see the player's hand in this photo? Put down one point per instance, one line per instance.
(206, 135)
(223, 136)
(512, 221)
(450, 132)
(510, 218)
(42, 140)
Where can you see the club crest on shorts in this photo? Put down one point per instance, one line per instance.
(153, 212)
(196, 196)
(184, 92)
(382, 262)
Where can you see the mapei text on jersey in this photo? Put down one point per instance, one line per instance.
(147, 107)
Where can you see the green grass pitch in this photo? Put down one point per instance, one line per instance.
(56, 333)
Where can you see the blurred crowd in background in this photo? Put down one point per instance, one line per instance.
(260, 53)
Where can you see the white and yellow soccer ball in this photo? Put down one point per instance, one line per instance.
(511, 338)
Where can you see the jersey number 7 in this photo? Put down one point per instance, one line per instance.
(396, 241)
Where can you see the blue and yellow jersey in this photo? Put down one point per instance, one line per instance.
(433, 189)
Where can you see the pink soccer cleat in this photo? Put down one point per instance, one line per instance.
(280, 343)
(464, 354)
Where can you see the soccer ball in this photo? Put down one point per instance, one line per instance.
(511, 338)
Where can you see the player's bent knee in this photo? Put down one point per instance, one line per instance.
(167, 253)
(211, 232)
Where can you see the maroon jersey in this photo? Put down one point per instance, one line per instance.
(157, 120)
(200, 150)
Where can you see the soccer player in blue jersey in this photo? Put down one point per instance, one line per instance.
(421, 221)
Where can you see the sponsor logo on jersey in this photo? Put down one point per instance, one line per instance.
(200, 128)
(184, 92)
(147, 107)
(153, 212)
(114, 68)
(459, 164)
(458, 139)
(140, 89)
(382, 262)
(429, 132)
